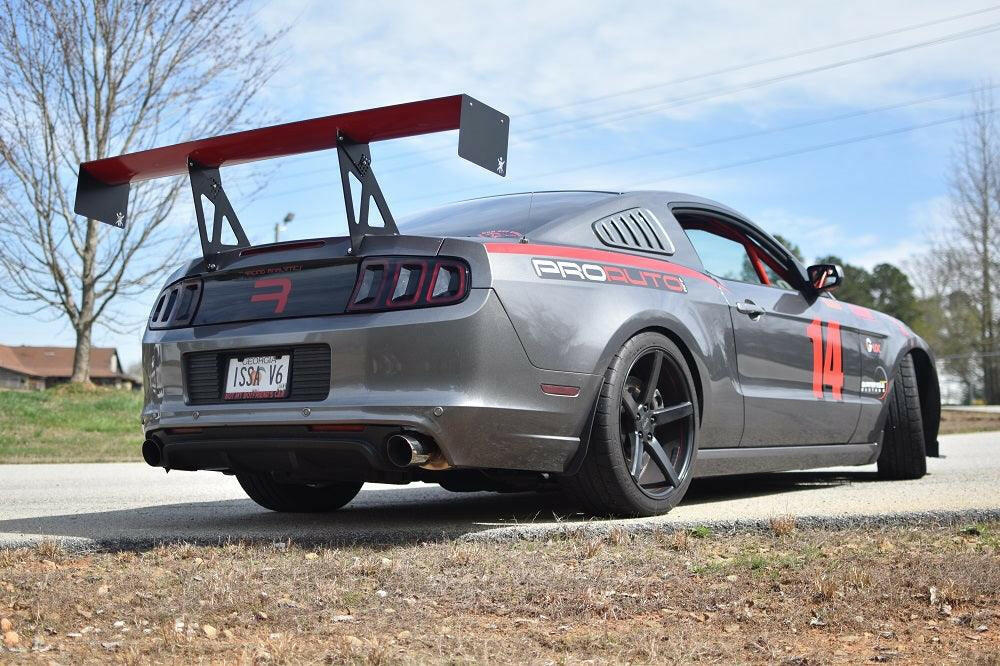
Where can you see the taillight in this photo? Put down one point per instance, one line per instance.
(176, 305)
(393, 283)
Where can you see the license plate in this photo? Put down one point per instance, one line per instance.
(257, 377)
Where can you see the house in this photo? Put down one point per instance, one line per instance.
(36, 368)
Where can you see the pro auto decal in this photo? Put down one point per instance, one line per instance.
(585, 264)
(591, 272)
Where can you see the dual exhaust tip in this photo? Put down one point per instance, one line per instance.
(152, 453)
(403, 450)
(406, 450)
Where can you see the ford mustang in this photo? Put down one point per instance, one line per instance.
(614, 345)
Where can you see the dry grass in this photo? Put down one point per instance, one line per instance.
(908, 595)
(782, 525)
(958, 421)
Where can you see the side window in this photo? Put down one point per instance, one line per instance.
(775, 279)
(722, 257)
(774, 271)
(728, 253)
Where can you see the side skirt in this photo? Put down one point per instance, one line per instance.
(720, 462)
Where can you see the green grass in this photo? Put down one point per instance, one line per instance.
(69, 424)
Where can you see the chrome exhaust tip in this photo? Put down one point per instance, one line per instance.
(152, 452)
(404, 450)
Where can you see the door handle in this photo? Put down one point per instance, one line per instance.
(750, 309)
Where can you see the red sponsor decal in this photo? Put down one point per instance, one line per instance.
(279, 297)
(902, 327)
(863, 313)
(828, 366)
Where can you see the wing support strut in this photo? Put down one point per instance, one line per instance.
(206, 186)
(356, 162)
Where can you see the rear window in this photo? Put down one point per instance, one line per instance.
(510, 216)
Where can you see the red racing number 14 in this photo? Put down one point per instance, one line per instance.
(828, 365)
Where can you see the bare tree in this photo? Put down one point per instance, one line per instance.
(86, 79)
(961, 271)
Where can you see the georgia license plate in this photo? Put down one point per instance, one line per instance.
(257, 377)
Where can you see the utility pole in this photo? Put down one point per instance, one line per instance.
(279, 226)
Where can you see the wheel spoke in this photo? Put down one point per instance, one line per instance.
(630, 404)
(659, 457)
(636, 455)
(672, 413)
(654, 377)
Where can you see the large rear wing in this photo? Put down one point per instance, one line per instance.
(103, 185)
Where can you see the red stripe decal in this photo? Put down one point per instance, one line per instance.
(863, 313)
(589, 254)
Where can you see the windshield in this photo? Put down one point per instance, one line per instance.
(511, 216)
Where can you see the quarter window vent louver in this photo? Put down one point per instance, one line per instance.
(176, 305)
(634, 229)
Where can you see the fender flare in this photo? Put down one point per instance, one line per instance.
(928, 387)
(643, 322)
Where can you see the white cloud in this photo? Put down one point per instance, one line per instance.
(523, 56)
(819, 237)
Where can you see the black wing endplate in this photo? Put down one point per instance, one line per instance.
(103, 185)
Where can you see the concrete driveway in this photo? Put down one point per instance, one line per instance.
(131, 505)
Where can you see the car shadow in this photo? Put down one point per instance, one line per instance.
(378, 516)
(724, 488)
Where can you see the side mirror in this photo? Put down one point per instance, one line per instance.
(824, 277)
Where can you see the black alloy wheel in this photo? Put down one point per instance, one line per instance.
(657, 423)
(644, 442)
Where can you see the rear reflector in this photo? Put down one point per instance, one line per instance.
(394, 283)
(337, 427)
(183, 431)
(556, 389)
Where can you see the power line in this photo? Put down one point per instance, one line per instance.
(773, 156)
(769, 60)
(601, 119)
(742, 136)
(782, 154)
(675, 149)
(760, 83)
(813, 148)
(731, 69)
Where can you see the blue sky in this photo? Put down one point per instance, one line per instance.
(664, 90)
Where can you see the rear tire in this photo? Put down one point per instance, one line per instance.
(904, 454)
(644, 439)
(297, 498)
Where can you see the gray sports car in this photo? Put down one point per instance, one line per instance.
(614, 345)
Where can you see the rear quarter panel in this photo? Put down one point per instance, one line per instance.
(569, 323)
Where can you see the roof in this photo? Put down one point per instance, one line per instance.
(518, 213)
(58, 361)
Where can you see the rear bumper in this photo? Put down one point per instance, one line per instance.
(456, 374)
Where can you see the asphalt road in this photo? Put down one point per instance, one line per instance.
(131, 505)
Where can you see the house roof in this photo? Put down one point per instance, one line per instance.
(58, 361)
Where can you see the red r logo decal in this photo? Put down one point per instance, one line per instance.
(280, 297)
